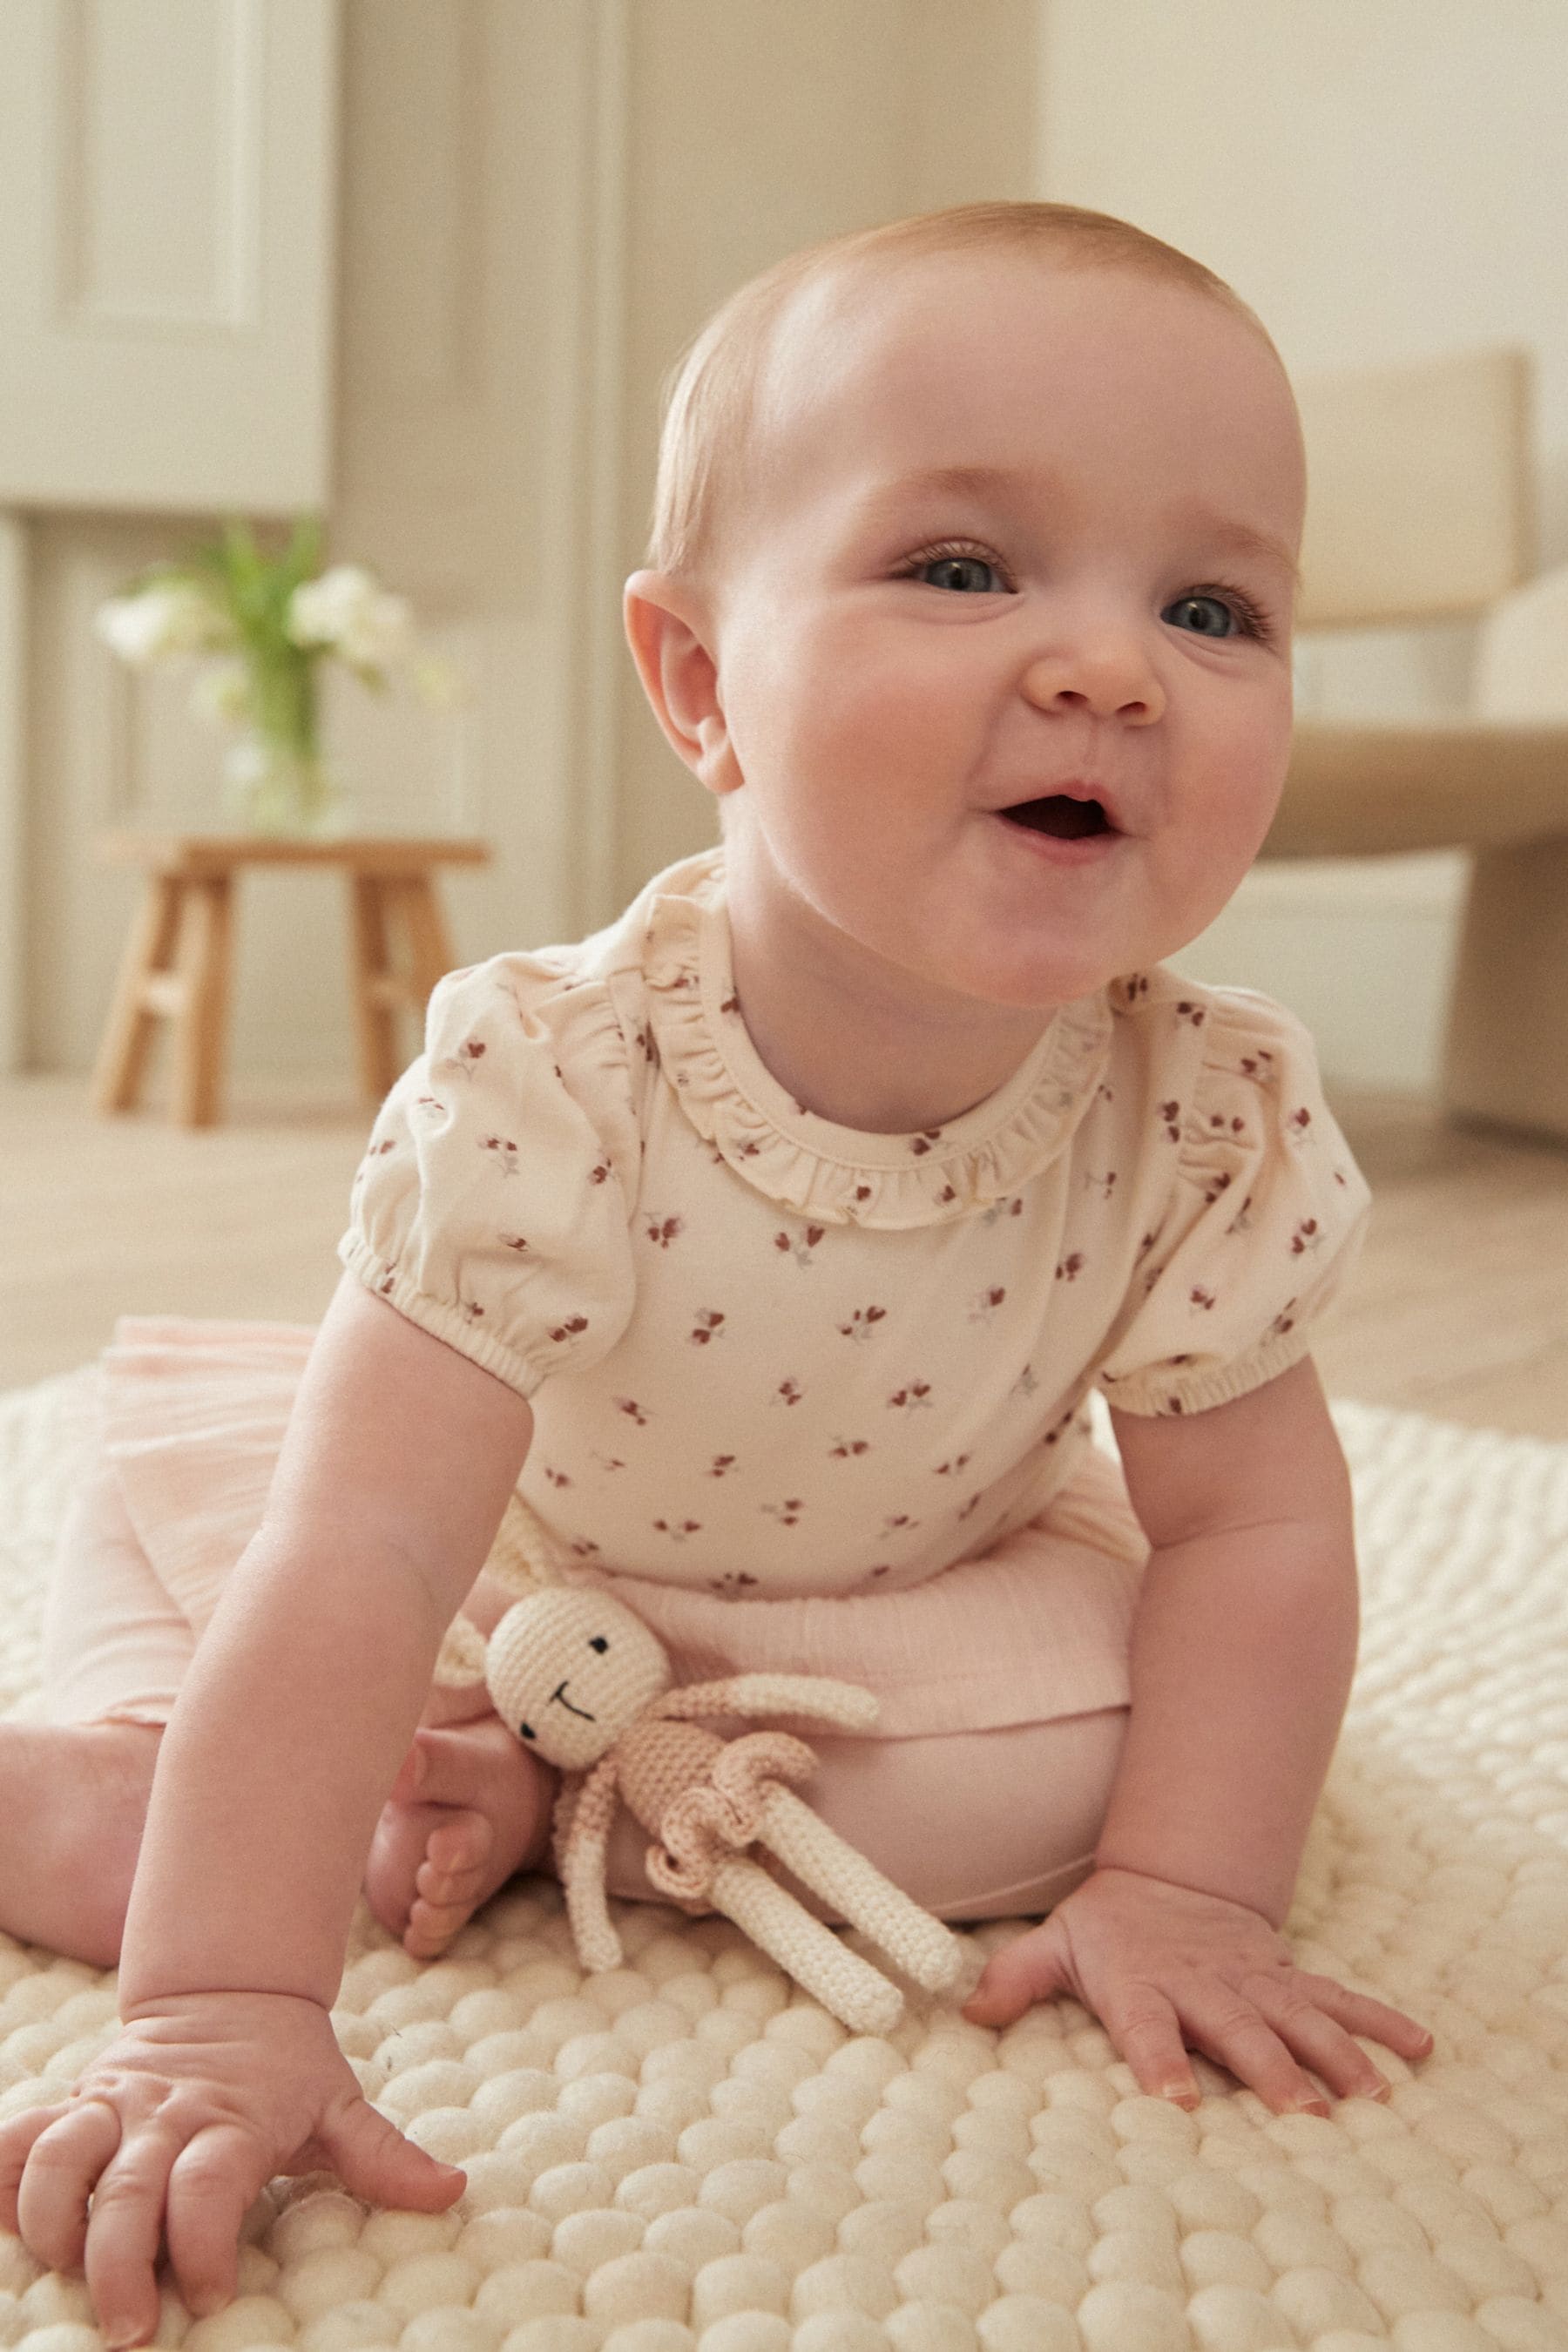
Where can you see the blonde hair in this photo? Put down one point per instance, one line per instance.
(710, 393)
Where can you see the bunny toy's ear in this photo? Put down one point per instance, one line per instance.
(520, 1563)
(520, 1558)
(461, 1660)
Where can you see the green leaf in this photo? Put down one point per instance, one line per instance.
(304, 555)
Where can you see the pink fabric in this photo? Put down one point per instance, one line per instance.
(974, 1825)
(1036, 1628)
(194, 1418)
(1003, 1681)
(115, 1645)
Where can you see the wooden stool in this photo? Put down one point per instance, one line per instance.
(176, 965)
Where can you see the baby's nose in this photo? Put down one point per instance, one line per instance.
(1108, 676)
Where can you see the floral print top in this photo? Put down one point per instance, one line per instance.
(768, 1355)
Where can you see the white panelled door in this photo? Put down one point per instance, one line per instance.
(168, 176)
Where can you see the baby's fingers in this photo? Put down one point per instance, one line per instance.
(1320, 2041)
(1359, 2013)
(216, 2179)
(1229, 2026)
(124, 2232)
(1147, 2031)
(16, 2140)
(60, 2173)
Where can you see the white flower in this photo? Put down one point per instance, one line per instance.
(346, 610)
(171, 618)
(246, 761)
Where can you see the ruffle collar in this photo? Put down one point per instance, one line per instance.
(840, 1175)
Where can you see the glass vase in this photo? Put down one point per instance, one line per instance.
(278, 782)
(280, 787)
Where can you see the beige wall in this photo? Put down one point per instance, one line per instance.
(471, 132)
(753, 129)
(540, 200)
(1380, 184)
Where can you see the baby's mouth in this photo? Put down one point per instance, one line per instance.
(1055, 812)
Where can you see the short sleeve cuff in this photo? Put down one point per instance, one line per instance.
(1175, 1389)
(443, 1320)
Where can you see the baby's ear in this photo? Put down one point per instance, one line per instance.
(675, 647)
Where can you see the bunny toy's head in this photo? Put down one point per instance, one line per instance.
(569, 1669)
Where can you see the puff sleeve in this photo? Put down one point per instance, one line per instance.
(492, 1204)
(1263, 1222)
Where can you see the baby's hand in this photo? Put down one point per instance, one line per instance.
(173, 2132)
(1161, 1965)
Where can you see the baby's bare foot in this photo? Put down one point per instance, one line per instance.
(469, 1809)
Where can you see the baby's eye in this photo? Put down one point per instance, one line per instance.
(597, 1642)
(1209, 615)
(955, 568)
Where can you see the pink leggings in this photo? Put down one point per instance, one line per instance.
(974, 1824)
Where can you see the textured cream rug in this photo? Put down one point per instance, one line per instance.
(689, 2156)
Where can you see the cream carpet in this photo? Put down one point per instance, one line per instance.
(689, 2156)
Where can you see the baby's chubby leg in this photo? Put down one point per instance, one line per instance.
(74, 1788)
(73, 1799)
(469, 1808)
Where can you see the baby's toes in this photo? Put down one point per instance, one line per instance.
(432, 1925)
(450, 1885)
(455, 1857)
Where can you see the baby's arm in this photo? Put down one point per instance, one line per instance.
(288, 1734)
(1244, 1643)
(1243, 1649)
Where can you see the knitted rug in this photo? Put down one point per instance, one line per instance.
(690, 2156)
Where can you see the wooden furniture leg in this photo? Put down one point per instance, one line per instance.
(374, 984)
(1506, 1059)
(176, 963)
(430, 944)
(202, 1020)
(388, 910)
(142, 996)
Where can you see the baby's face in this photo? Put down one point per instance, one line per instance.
(1094, 604)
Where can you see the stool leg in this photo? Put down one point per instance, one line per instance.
(374, 986)
(200, 1025)
(122, 1055)
(429, 941)
(1506, 1059)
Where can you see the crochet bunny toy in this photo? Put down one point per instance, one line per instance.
(580, 1679)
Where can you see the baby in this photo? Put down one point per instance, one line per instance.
(772, 1242)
